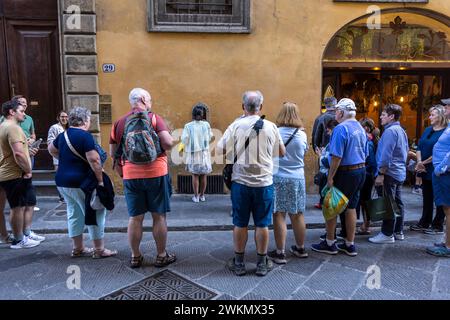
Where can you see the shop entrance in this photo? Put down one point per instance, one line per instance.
(415, 90)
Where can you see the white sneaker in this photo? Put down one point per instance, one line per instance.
(202, 199)
(36, 209)
(35, 237)
(399, 236)
(381, 238)
(195, 199)
(26, 243)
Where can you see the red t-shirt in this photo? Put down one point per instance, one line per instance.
(157, 168)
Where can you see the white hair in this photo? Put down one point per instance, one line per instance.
(252, 101)
(349, 114)
(137, 94)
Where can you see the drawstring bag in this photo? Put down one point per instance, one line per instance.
(334, 202)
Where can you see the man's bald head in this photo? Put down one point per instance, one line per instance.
(252, 101)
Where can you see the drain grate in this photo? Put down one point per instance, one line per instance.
(214, 184)
(164, 285)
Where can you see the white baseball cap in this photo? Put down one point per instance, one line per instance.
(346, 104)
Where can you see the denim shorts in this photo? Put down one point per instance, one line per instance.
(148, 195)
(257, 201)
(441, 189)
(350, 183)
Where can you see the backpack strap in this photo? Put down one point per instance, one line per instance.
(291, 137)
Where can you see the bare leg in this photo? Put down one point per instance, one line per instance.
(77, 243)
(195, 184)
(240, 237)
(203, 182)
(299, 228)
(331, 227)
(3, 230)
(262, 240)
(279, 229)
(160, 232)
(28, 218)
(350, 223)
(447, 231)
(135, 234)
(17, 222)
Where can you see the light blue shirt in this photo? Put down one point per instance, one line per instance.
(292, 164)
(349, 142)
(393, 150)
(441, 153)
(196, 136)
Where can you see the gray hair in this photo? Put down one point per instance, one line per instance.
(252, 101)
(137, 94)
(79, 116)
(349, 114)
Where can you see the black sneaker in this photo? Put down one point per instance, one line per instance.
(263, 268)
(433, 231)
(417, 227)
(237, 268)
(300, 253)
(279, 258)
(349, 250)
(323, 247)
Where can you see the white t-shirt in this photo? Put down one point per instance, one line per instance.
(254, 168)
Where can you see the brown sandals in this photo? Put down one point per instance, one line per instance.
(104, 253)
(85, 252)
(136, 262)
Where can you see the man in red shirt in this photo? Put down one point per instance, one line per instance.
(147, 187)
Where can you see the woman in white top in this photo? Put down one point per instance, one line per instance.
(196, 137)
(53, 132)
(289, 184)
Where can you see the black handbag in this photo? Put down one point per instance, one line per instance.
(227, 171)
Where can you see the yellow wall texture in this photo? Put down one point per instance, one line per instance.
(282, 57)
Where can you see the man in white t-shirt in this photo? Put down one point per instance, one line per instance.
(252, 188)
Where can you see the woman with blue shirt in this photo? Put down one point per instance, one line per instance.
(289, 184)
(425, 169)
(196, 137)
(441, 183)
(72, 171)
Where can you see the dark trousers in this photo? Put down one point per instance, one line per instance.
(365, 195)
(428, 206)
(394, 188)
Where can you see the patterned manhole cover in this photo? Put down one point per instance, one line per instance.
(164, 285)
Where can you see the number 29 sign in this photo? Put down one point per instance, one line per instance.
(109, 68)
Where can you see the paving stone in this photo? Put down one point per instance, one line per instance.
(279, 284)
(336, 280)
(409, 255)
(407, 281)
(18, 258)
(223, 280)
(194, 248)
(253, 296)
(302, 266)
(197, 267)
(222, 253)
(226, 297)
(59, 292)
(365, 293)
(305, 293)
(443, 280)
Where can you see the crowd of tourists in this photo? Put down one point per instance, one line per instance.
(267, 179)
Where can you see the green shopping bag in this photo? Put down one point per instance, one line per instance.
(334, 202)
(382, 208)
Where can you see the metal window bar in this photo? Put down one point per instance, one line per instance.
(214, 184)
(207, 7)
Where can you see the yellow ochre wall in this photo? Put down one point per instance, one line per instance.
(281, 57)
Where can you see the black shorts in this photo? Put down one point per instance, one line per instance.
(19, 192)
(350, 183)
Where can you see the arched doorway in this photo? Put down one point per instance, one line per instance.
(406, 61)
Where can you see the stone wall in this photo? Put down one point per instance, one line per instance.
(79, 57)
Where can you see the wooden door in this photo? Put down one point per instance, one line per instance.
(30, 62)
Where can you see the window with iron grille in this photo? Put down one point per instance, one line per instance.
(224, 16)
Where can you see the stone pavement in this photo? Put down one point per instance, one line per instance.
(214, 214)
(406, 271)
